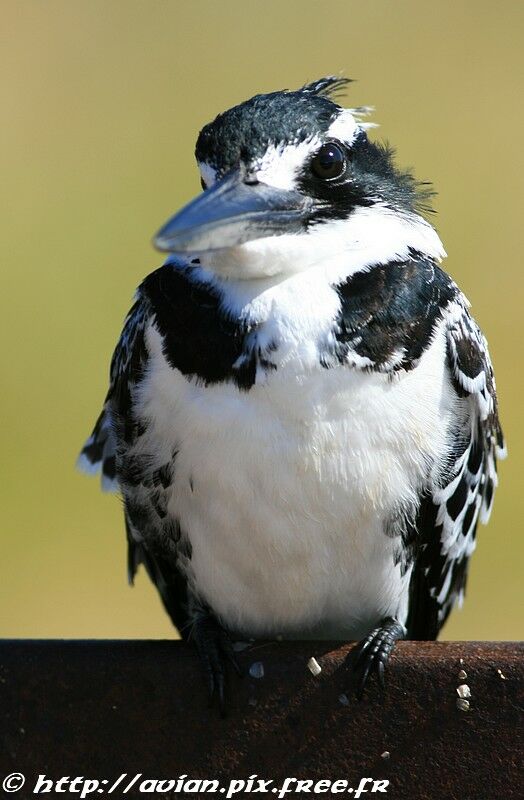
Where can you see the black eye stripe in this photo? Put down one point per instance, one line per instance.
(203, 184)
(329, 162)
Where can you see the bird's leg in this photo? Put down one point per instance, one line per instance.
(372, 653)
(215, 649)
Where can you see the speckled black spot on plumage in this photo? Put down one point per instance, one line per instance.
(488, 492)
(118, 426)
(146, 497)
(422, 621)
(467, 355)
(472, 377)
(163, 476)
(94, 449)
(141, 427)
(470, 357)
(443, 549)
(137, 513)
(403, 557)
(476, 455)
(152, 535)
(163, 572)
(426, 621)
(457, 501)
(133, 468)
(244, 132)
(127, 366)
(171, 531)
(99, 450)
(155, 539)
(402, 526)
(265, 362)
(109, 467)
(158, 500)
(185, 548)
(199, 338)
(469, 517)
(459, 439)
(388, 314)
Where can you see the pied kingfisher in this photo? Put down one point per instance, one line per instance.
(301, 417)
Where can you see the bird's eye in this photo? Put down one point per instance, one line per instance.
(203, 184)
(329, 162)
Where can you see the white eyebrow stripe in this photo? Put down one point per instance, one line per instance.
(281, 163)
(345, 127)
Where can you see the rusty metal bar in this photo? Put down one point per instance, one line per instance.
(103, 708)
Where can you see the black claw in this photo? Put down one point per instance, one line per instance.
(363, 646)
(372, 654)
(215, 648)
(380, 672)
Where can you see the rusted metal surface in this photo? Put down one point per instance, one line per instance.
(103, 708)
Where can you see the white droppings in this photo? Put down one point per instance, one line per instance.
(462, 675)
(463, 690)
(314, 667)
(343, 699)
(385, 755)
(462, 704)
(501, 675)
(256, 670)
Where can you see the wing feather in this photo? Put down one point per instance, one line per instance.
(99, 452)
(152, 537)
(451, 509)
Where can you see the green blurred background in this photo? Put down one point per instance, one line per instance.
(101, 103)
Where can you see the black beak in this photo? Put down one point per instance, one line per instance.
(230, 213)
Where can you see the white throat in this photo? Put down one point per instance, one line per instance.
(339, 248)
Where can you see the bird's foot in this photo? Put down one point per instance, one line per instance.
(372, 653)
(216, 650)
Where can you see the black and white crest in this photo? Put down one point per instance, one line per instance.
(245, 132)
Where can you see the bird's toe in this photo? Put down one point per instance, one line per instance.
(373, 652)
(216, 651)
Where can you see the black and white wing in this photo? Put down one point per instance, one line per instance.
(449, 513)
(99, 452)
(111, 449)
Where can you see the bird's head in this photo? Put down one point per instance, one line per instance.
(290, 179)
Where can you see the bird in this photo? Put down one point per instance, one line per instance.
(302, 417)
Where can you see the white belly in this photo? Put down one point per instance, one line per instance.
(284, 491)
